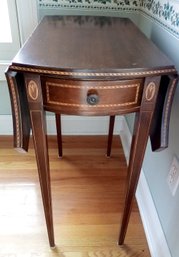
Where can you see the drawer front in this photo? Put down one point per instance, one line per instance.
(91, 97)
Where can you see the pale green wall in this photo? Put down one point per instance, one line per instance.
(156, 165)
(5, 108)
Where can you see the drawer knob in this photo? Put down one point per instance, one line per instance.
(92, 98)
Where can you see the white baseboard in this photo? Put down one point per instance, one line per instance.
(154, 233)
(71, 125)
(155, 236)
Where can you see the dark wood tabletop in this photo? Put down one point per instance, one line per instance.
(84, 43)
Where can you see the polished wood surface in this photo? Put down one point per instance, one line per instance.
(87, 202)
(91, 66)
(72, 43)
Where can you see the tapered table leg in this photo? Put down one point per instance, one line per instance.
(59, 134)
(110, 135)
(38, 122)
(141, 132)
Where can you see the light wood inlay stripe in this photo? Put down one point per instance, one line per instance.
(16, 112)
(92, 87)
(93, 74)
(168, 108)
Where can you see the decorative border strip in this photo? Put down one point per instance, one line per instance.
(93, 74)
(91, 106)
(91, 87)
(172, 30)
(164, 12)
(137, 86)
(167, 109)
(91, 4)
(16, 112)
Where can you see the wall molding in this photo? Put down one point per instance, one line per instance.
(154, 233)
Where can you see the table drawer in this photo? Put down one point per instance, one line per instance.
(91, 97)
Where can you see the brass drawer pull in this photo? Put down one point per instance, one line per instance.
(92, 97)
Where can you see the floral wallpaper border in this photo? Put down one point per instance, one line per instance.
(166, 12)
(91, 4)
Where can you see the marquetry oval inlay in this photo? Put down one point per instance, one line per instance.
(33, 90)
(150, 91)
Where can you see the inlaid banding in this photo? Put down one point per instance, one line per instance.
(167, 109)
(54, 87)
(93, 74)
(16, 112)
